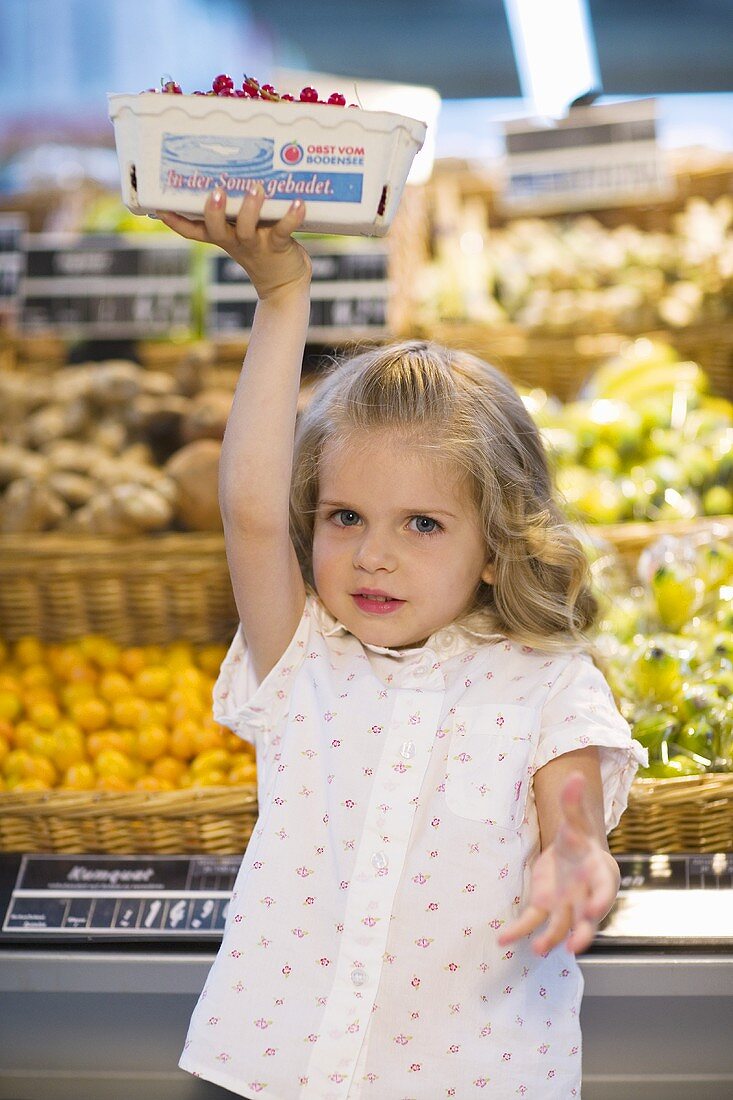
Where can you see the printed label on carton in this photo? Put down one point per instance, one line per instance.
(190, 162)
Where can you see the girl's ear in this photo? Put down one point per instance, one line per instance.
(488, 573)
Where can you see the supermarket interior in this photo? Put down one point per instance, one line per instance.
(546, 185)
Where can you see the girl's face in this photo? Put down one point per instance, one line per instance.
(398, 550)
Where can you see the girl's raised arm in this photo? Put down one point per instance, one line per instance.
(257, 452)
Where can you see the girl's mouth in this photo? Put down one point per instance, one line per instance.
(376, 603)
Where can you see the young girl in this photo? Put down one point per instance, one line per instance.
(438, 761)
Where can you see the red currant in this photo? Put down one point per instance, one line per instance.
(172, 88)
(309, 95)
(288, 98)
(222, 82)
(240, 94)
(268, 92)
(337, 99)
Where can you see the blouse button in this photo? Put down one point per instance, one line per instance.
(408, 750)
(379, 861)
(358, 976)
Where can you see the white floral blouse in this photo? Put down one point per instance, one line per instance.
(396, 833)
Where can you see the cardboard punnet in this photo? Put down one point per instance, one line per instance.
(349, 166)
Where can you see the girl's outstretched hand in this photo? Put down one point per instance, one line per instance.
(574, 882)
(269, 255)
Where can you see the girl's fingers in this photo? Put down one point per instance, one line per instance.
(249, 212)
(527, 921)
(185, 227)
(582, 936)
(215, 218)
(557, 929)
(289, 223)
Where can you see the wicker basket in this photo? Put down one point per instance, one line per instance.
(216, 820)
(629, 539)
(561, 363)
(689, 814)
(141, 591)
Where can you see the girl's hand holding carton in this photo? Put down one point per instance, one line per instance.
(270, 256)
(439, 760)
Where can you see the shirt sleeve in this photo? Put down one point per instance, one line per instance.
(249, 708)
(580, 711)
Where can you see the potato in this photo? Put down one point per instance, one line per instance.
(75, 489)
(29, 506)
(16, 462)
(195, 470)
(207, 416)
(145, 507)
(79, 458)
(115, 382)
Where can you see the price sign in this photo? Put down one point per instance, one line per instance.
(122, 896)
(349, 293)
(107, 287)
(12, 260)
(598, 156)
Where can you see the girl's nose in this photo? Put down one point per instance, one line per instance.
(373, 553)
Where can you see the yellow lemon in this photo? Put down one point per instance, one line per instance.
(234, 743)
(36, 676)
(132, 660)
(23, 734)
(90, 714)
(112, 762)
(168, 768)
(100, 651)
(209, 737)
(130, 710)
(211, 760)
(73, 693)
(120, 740)
(41, 744)
(189, 677)
(152, 741)
(153, 682)
(18, 764)
(79, 777)
(113, 685)
(32, 784)
(152, 783)
(182, 744)
(210, 658)
(10, 705)
(114, 783)
(244, 773)
(28, 651)
(45, 713)
(179, 656)
(44, 770)
(69, 746)
(212, 778)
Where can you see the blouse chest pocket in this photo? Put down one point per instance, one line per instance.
(488, 763)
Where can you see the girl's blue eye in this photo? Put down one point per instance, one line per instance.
(424, 525)
(346, 517)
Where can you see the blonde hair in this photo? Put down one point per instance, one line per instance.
(540, 595)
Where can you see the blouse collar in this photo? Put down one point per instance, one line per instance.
(449, 641)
